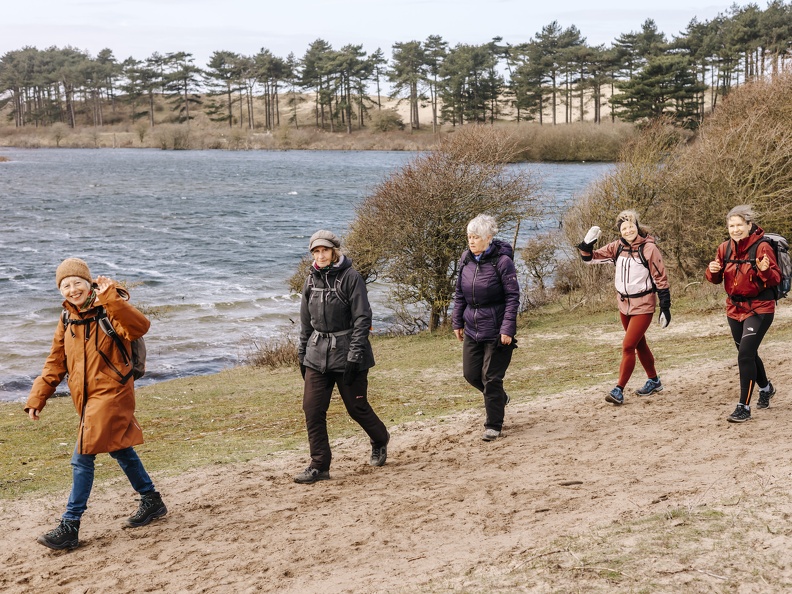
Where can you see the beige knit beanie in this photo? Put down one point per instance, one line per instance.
(72, 267)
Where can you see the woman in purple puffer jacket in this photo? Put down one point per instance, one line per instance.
(485, 316)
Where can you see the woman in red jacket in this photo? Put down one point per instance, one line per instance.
(747, 267)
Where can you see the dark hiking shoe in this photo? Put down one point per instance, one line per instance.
(765, 396)
(741, 414)
(151, 508)
(650, 387)
(379, 453)
(490, 434)
(616, 396)
(311, 475)
(63, 537)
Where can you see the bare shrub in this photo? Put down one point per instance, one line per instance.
(386, 120)
(573, 142)
(639, 182)
(742, 156)
(141, 130)
(59, 132)
(540, 262)
(238, 140)
(173, 136)
(412, 230)
(274, 353)
(297, 280)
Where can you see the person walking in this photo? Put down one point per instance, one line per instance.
(102, 397)
(640, 275)
(748, 269)
(334, 350)
(486, 302)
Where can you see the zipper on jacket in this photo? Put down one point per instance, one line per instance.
(473, 298)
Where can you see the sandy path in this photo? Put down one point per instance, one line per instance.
(446, 504)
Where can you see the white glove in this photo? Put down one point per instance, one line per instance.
(592, 235)
(663, 320)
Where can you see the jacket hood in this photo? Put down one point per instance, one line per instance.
(638, 241)
(495, 250)
(756, 235)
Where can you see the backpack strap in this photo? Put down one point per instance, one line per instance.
(336, 285)
(106, 325)
(765, 293)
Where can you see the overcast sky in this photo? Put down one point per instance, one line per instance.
(140, 27)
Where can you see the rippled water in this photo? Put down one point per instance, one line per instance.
(210, 237)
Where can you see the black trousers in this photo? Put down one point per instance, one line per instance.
(748, 335)
(484, 365)
(316, 400)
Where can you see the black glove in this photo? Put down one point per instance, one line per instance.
(665, 317)
(302, 370)
(588, 249)
(350, 372)
(664, 296)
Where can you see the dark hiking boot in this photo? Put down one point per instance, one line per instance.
(311, 475)
(63, 537)
(151, 508)
(616, 396)
(741, 414)
(650, 387)
(765, 396)
(379, 453)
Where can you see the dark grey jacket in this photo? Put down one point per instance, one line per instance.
(335, 319)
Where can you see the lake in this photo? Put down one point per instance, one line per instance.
(207, 237)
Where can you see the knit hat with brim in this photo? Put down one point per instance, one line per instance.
(72, 267)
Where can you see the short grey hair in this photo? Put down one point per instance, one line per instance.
(744, 211)
(483, 226)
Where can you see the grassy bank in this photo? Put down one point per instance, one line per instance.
(246, 413)
(572, 142)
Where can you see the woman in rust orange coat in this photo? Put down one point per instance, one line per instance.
(104, 399)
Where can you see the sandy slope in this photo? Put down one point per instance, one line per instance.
(446, 508)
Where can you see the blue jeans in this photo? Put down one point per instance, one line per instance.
(83, 477)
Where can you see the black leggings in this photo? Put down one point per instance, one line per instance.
(748, 335)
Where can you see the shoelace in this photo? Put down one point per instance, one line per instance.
(61, 530)
(145, 505)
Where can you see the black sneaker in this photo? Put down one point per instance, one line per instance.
(311, 475)
(151, 508)
(379, 453)
(765, 396)
(741, 414)
(65, 536)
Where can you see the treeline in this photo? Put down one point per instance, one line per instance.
(641, 76)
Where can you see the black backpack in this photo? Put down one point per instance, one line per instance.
(781, 250)
(136, 360)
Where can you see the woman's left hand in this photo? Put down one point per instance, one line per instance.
(505, 339)
(763, 264)
(103, 283)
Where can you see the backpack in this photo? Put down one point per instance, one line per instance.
(643, 260)
(136, 359)
(336, 288)
(781, 250)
